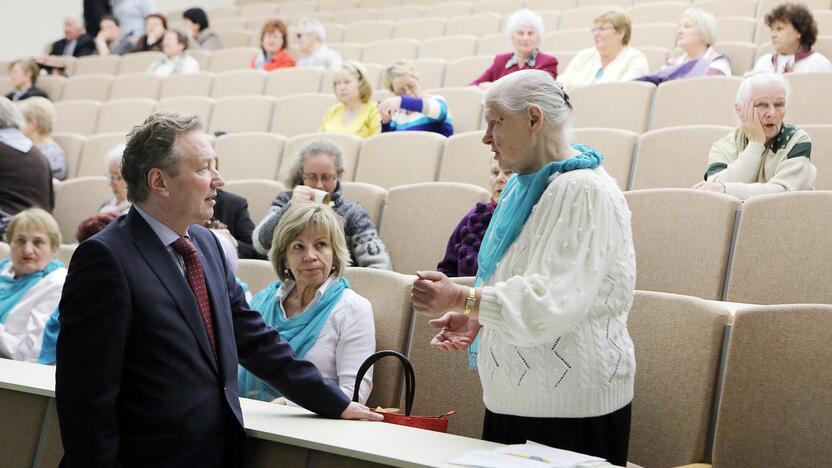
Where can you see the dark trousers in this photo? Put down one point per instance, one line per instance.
(606, 436)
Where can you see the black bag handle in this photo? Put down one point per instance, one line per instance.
(409, 376)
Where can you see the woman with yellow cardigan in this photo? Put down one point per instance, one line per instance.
(354, 113)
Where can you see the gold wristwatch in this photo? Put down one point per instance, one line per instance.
(470, 301)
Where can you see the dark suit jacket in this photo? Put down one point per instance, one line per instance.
(85, 46)
(232, 210)
(136, 382)
(31, 92)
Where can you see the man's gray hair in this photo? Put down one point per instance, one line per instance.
(314, 27)
(705, 23)
(319, 146)
(758, 80)
(10, 115)
(154, 144)
(516, 92)
(527, 18)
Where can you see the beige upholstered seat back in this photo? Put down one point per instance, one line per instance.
(617, 146)
(821, 153)
(5, 250)
(257, 274)
(199, 105)
(95, 64)
(387, 51)
(93, 160)
(138, 62)
(461, 72)
(242, 114)
(191, 84)
(370, 197)
(676, 103)
(249, 155)
(464, 104)
(285, 81)
(810, 101)
(76, 116)
(231, 58)
(466, 160)
(301, 113)
(613, 105)
(95, 87)
(398, 158)
(238, 83)
(121, 115)
(136, 85)
(25, 413)
(258, 192)
(76, 200)
(72, 144)
(449, 48)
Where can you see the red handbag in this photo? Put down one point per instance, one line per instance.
(431, 423)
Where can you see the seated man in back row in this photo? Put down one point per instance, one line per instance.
(764, 155)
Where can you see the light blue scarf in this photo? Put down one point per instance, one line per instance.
(13, 289)
(50, 339)
(301, 331)
(519, 196)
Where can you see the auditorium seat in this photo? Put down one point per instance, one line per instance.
(72, 144)
(95, 87)
(656, 56)
(228, 24)
(350, 148)
(236, 37)
(76, 200)
(203, 57)
(413, 243)
(373, 76)
(623, 105)
(397, 158)
(466, 160)
(435, 369)
(24, 412)
(389, 294)
(419, 28)
(136, 85)
(535, 5)
(582, 17)
(216, 13)
(348, 50)
(722, 8)
(605, 3)
(336, 6)
(397, 13)
(660, 12)
(675, 156)
(465, 104)
(564, 57)
(461, 72)
(682, 239)
(244, 82)
(431, 72)
(191, 84)
(93, 161)
(775, 408)
(498, 7)
(783, 250)
(449, 48)
(249, 155)
(53, 85)
(678, 342)
(354, 16)
(673, 106)
(567, 39)
(741, 55)
(286, 81)
(121, 115)
(654, 35)
(363, 32)
(139, 62)
(735, 29)
(478, 25)
(231, 58)
(97, 65)
(617, 146)
(810, 101)
(297, 8)
(258, 192)
(379, 4)
(334, 33)
(448, 10)
(494, 44)
(199, 105)
(821, 153)
(242, 114)
(258, 9)
(387, 51)
(370, 197)
(66, 250)
(76, 116)
(5, 251)
(300, 113)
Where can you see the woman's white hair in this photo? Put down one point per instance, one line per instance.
(10, 115)
(517, 91)
(314, 27)
(705, 23)
(759, 80)
(525, 17)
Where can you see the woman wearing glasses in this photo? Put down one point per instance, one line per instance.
(611, 60)
(118, 205)
(319, 165)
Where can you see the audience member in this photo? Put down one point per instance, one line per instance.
(110, 39)
(232, 210)
(76, 42)
(793, 33)
(464, 244)
(554, 285)
(316, 54)
(93, 225)
(155, 26)
(354, 113)
(25, 177)
(196, 23)
(763, 155)
(274, 40)
(119, 204)
(39, 114)
(131, 14)
(695, 36)
(312, 305)
(611, 60)
(175, 61)
(23, 75)
(155, 358)
(411, 108)
(319, 165)
(94, 11)
(30, 287)
(525, 29)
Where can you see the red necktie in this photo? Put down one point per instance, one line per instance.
(196, 279)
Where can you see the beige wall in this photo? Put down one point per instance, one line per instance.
(29, 25)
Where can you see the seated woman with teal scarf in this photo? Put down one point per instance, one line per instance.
(30, 288)
(554, 285)
(312, 305)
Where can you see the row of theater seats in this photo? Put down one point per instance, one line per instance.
(769, 250)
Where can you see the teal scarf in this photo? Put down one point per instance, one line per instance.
(50, 339)
(13, 289)
(301, 331)
(520, 195)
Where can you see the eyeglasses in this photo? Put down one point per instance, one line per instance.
(114, 178)
(314, 178)
(603, 29)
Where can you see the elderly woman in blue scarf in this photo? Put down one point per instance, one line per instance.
(554, 285)
(312, 305)
(30, 288)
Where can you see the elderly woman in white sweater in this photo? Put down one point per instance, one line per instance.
(554, 286)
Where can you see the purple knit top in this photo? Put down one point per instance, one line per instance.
(464, 244)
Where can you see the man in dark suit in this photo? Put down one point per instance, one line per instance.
(153, 324)
(76, 42)
(232, 210)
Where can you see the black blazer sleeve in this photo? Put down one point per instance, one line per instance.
(233, 212)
